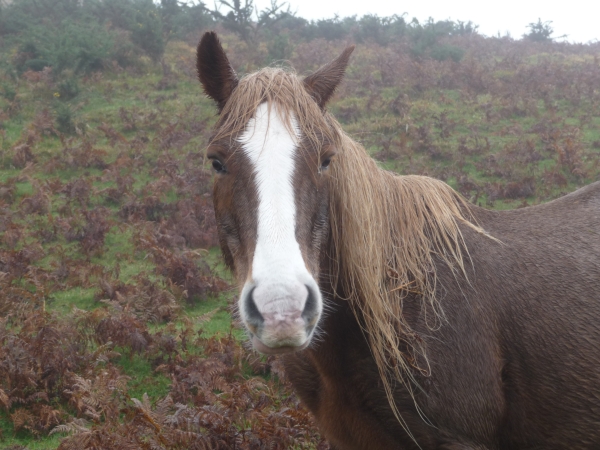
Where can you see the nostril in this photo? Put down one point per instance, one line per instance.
(253, 316)
(311, 308)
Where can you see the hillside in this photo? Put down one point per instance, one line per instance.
(115, 310)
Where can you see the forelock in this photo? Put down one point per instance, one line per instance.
(284, 90)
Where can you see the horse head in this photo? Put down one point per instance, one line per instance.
(271, 150)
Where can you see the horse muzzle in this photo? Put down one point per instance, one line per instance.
(281, 318)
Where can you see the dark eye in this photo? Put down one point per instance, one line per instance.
(218, 166)
(325, 163)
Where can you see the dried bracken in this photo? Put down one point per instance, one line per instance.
(117, 219)
(212, 405)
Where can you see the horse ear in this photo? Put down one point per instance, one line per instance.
(214, 70)
(323, 83)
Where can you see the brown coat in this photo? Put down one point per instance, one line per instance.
(515, 366)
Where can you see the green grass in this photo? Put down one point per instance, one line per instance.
(365, 113)
(144, 379)
(220, 318)
(24, 439)
(64, 301)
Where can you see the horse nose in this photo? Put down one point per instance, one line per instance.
(283, 328)
(254, 319)
(287, 322)
(281, 317)
(311, 312)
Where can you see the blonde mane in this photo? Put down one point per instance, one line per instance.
(280, 88)
(386, 229)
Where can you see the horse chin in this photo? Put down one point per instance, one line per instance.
(262, 348)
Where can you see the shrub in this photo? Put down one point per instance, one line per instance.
(68, 88)
(539, 31)
(37, 65)
(180, 19)
(330, 29)
(381, 30)
(445, 52)
(64, 118)
(19, 15)
(9, 92)
(146, 29)
(80, 47)
(82, 36)
(279, 47)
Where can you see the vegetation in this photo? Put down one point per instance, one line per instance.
(116, 329)
(539, 31)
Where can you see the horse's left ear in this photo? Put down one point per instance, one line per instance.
(323, 83)
(214, 70)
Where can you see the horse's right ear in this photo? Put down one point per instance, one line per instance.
(214, 70)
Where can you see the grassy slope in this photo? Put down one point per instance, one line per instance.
(99, 102)
(424, 137)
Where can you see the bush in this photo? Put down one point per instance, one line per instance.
(444, 52)
(82, 36)
(279, 47)
(124, 52)
(68, 88)
(330, 29)
(19, 15)
(539, 31)
(381, 30)
(146, 29)
(81, 47)
(426, 39)
(9, 92)
(64, 118)
(179, 20)
(37, 65)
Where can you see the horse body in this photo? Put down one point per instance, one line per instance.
(516, 365)
(408, 317)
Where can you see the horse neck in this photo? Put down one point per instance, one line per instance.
(387, 234)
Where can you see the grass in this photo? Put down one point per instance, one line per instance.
(417, 144)
(144, 379)
(64, 301)
(24, 439)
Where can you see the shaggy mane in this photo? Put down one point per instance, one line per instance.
(386, 229)
(283, 89)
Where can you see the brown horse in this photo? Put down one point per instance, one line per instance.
(409, 318)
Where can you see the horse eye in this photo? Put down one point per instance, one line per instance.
(325, 163)
(218, 166)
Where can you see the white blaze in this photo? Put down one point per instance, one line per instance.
(279, 274)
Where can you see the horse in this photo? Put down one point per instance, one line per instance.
(406, 317)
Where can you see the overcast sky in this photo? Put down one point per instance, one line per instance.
(579, 19)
